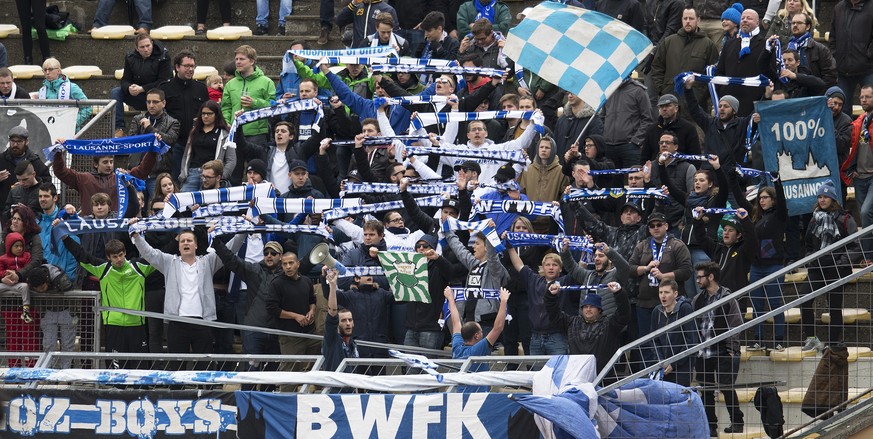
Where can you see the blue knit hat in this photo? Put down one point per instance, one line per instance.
(829, 190)
(593, 300)
(733, 13)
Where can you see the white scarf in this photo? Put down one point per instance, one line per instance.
(63, 91)
(746, 40)
(13, 91)
(392, 42)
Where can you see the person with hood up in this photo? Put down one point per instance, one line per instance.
(570, 125)
(543, 180)
(15, 259)
(672, 308)
(594, 150)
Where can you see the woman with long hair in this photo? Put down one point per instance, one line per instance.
(781, 24)
(829, 224)
(769, 214)
(207, 141)
(164, 186)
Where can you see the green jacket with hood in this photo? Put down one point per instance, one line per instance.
(260, 88)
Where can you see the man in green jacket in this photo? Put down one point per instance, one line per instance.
(122, 285)
(495, 11)
(250, 89)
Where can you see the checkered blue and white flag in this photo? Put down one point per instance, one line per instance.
(584, 52)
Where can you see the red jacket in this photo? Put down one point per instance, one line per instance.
(849, 165)
(9, 261)
(88, 183)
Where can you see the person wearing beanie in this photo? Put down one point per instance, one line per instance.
(256, 172)
(829, 224)
(842, 125)
(724, 134)
(857, 169)
(739, 59)
(730, 22)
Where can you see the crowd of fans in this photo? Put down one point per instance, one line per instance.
(654, 260)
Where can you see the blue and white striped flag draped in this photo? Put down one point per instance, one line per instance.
(614, 171)
(467, 153)
(751, 172)
(419, 361)
(585, 288)
(451, 224)
(382, 141)
(602, 194)
(521, 207)
(99, 147)
(582, 51)
(554, 241)
(334, 214)
(229, 225)
(378, 51)
(751, 81)
(410, 100)
(455, 70)
(691, 157)
(276, 110)
(391, 188)
(262, 206)
(426, 119)
(363, 271)
(218, 209)
(120, 179)
(183, 200)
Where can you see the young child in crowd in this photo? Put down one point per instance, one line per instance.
(216, 87)
(15, 258)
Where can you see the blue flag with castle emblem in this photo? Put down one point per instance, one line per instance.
(797, 141)
(584, 52)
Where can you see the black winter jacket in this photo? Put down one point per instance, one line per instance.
(149, 72)
(727, 141)
(851, 38)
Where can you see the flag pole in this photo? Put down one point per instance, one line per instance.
(588, 123)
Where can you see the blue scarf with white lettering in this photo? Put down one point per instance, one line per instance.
(556, 242)
(473, 154)
(378, 51)
(521, 207)
(392, 188)
(99, 147)
(121, 187)
(602, 194)
(330, 215)
(451, 224)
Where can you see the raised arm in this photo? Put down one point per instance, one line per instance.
(500, 320)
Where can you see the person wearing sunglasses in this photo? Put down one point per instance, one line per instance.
(654, 259)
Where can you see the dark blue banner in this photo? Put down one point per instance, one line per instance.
(438, 415)
(797, 141)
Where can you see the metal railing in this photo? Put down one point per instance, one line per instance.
(648, 339)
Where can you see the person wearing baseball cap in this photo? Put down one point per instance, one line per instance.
(669, 120)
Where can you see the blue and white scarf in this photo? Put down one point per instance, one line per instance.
(780, 63)
(556, 242)
(519, 78)
(363, 271)
(451, 224)
(276, 110)
(63, 91)
(382, 141)
(156, 223)
(219, 209)
(99, 147)
(750, 172)
(691, 157)
(467, 153)
(410, 100)
(751, 81)
(521, 207)
(507, 186)
(614, 171)
(183, 200)
(585, 288)
(262, 206)
(79, 226)
(426, 119)
(229, 225)
(392, 188)
(418, 361)
(378, 51)
(461, 293)
(800, 45)
(746, 41)
(485, 11)
(122, 193)
(602, 194)
(334, 214)
(752, 134)
(713, 93)
(715, 211)
(455, 70)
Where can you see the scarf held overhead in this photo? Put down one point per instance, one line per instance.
(99, 147)
(184, 200)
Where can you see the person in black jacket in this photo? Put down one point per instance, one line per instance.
(672, 308)
(739, 58)
(669, 120)
(144, 69)
(628, 11)
(725, 135)
(18, 151)
(850, 42)
(8, 88)
(184, 97)
(800, 82)
(590, 332)
(438, 44)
